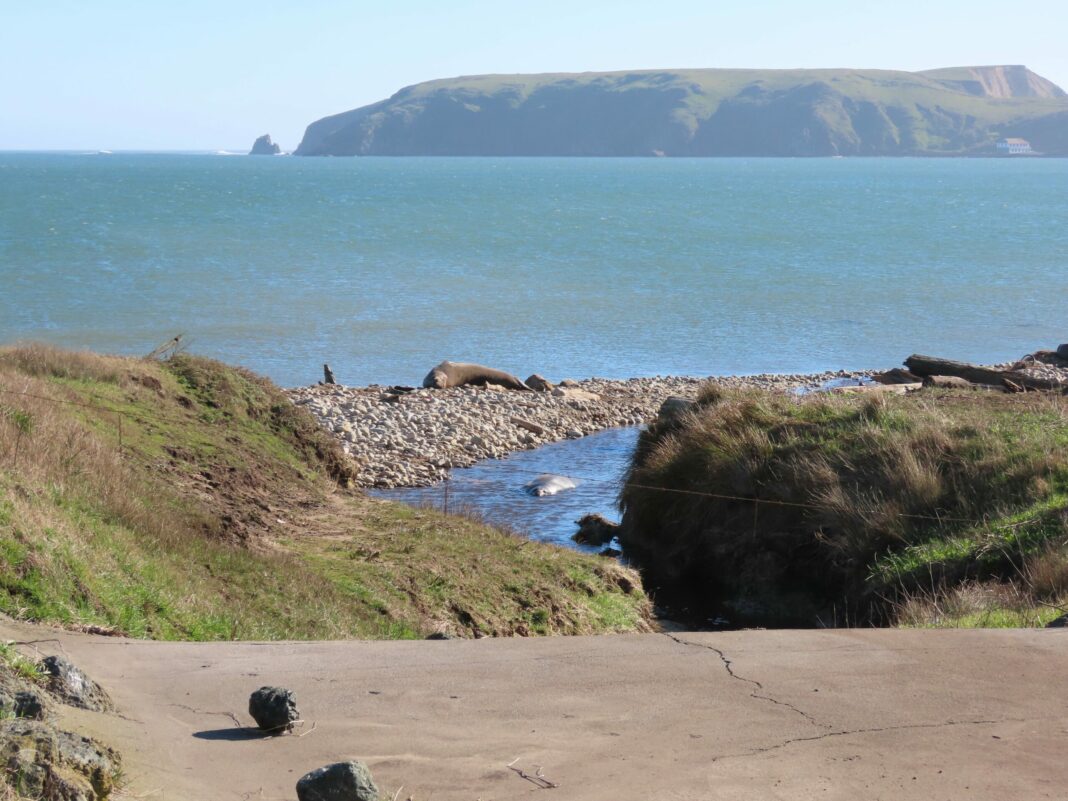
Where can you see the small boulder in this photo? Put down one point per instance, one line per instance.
(342, 781)
(71, 686)
(539, 383)
(569, 382)
(1062, 351)
(595, 530)
(20, 698)
(671, 408)
(29, 704)
(265, 147)
(274, 709)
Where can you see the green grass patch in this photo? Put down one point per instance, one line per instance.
(218, 510)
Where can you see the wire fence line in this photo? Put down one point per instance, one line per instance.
(621, 484)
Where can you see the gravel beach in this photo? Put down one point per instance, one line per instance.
(411, 438)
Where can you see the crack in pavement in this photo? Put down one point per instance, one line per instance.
(727, 665)
(873, 730)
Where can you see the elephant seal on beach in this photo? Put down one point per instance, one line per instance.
(548, 484)
(459, 374)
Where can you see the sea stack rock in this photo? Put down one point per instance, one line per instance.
(264, 147)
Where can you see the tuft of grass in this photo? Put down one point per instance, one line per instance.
(20, 665)
(797, 506)
(191, 500)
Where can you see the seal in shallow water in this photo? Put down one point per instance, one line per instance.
(548, 484)
(458, 374)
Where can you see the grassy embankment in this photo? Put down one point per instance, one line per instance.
(218, 510)
(938, 508)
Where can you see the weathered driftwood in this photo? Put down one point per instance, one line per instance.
(956, 382)
(930, 365)
(877, 389)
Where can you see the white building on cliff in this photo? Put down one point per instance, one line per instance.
(1013, 147)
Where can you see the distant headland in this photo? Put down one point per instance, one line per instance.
(959, 111)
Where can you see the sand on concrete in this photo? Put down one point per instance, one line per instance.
(843, 714)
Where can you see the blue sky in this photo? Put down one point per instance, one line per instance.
(119, 74)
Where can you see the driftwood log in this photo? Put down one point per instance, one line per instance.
(929, 365)
(956, 382)
(877, 389)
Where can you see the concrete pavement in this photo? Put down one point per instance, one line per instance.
(842, 714)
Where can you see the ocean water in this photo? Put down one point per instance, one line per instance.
(567, 267)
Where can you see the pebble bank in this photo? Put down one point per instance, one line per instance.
(403, 437)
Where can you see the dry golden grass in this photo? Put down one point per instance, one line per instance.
(801, 504)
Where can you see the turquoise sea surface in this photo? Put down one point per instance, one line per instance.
(567, 267)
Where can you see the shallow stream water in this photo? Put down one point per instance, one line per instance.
(494, 487)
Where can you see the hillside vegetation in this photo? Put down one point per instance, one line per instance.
(190, 500)
(937, 507)
(706, 112)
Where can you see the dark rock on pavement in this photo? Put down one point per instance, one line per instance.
(71, 686)
(274, 709)
(342, 781)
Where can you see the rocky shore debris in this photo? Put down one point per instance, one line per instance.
(274, 709)
(1041, 370)
(341, 781)
(412, 437)
(595, 530)
(73, 687)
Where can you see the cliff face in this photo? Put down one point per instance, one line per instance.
(704, 113)
(1000, 82)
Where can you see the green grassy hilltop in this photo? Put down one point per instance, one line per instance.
(706, 112)
(190, 500)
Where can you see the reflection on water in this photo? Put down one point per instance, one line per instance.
(494, 487)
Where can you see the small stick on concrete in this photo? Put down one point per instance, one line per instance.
(538, 779)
